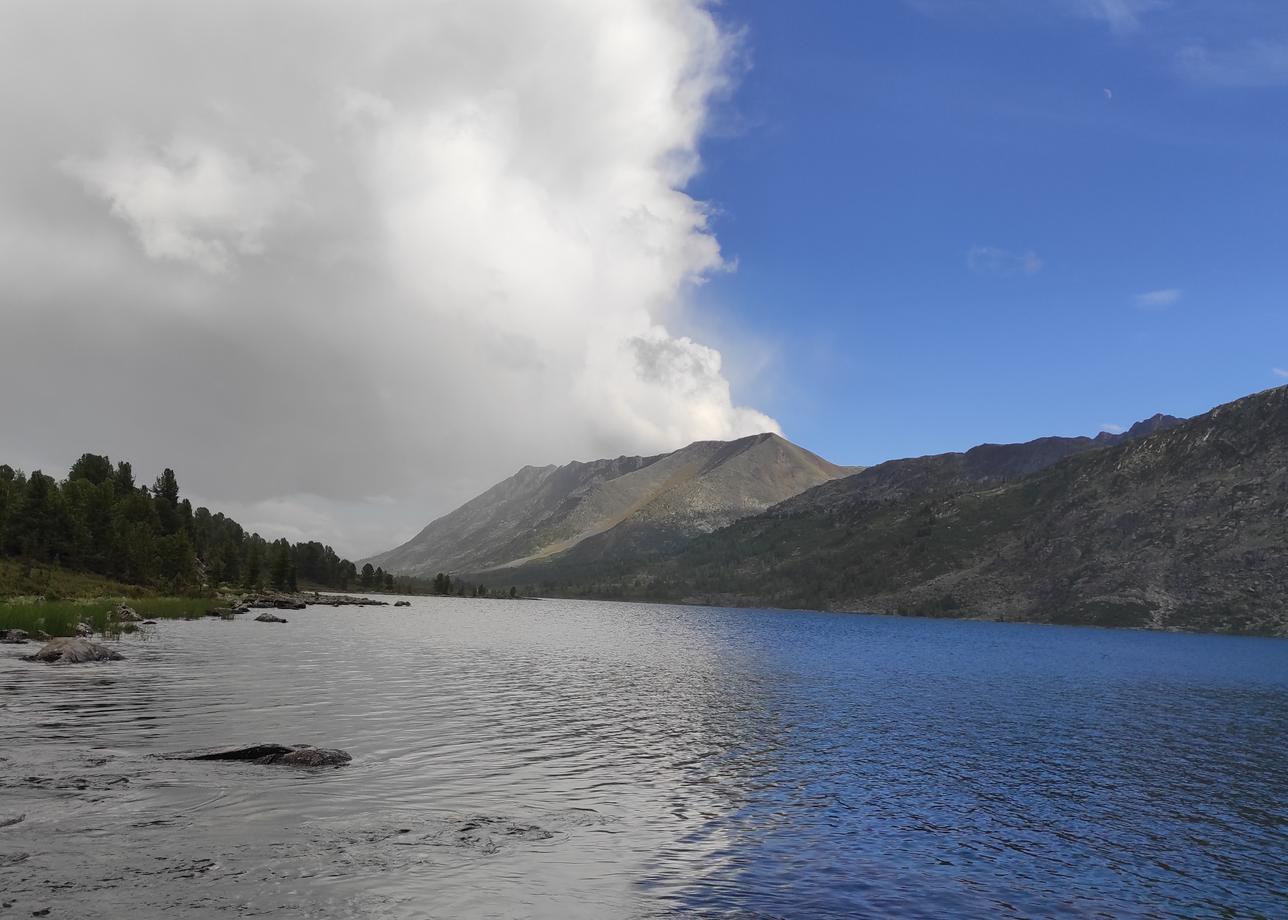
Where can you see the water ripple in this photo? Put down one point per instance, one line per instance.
(560, 759)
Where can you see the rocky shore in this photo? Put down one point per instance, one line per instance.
(276, 600)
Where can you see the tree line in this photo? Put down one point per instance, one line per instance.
(100, 520)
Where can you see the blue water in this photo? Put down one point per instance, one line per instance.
(580, 759)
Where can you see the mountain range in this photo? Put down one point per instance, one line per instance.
(626, 506)
(1174, 523)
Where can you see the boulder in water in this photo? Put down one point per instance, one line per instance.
(13, 636)
(84, 630)
(269, 618)
(402, 603)
(294, 755)
(74, 651)
(124, 614)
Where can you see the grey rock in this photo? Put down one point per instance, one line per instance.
(13, 636)
(84, 630)
(74, 651)
(269, 618)
(124, 614)
(402, 603)
(292, 755)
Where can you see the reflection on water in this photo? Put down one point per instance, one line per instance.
(561, 759)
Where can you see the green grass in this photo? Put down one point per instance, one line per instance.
(54, 583)
(47, 598)
(59, 618)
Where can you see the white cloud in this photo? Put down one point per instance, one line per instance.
(1122, 16)
(1112, 429)
(1158, 300)
(393, 250)
(1280, 372)
(191, 201)
(992, 260)
(1258, 63)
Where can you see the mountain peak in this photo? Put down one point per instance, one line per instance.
(602, 506)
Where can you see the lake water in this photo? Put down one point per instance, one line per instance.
(577, 759)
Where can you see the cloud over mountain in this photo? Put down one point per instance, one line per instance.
(319, 256)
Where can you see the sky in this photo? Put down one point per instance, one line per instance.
(343, 266)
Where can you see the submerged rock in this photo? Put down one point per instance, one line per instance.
(13, 636)
(295, 755)
(74, 651)
(402, 603)
(269, 618)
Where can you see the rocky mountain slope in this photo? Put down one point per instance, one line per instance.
(608, 508)
(987, 463)
(1185, 527)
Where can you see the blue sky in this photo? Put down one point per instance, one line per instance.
(965, 221)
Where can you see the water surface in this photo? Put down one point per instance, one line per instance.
(576, 759)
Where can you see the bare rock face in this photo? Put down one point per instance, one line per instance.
(291, 755)
(74, 651)
(13, 636)
(124, 614)
(269, 618)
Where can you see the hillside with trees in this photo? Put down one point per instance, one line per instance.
(99, 520)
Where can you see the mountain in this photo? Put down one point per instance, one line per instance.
(894, 479)
(606, 508)
(1182, 525)
(982, 465)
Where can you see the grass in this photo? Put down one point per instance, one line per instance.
(60, 618)
(54, 583)
(46, 598)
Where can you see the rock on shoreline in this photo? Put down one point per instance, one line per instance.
(291, 755)
(74, 651)
(275, 600)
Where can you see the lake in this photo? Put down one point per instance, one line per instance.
(578, 759)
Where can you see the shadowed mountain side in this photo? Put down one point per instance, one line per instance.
(987, 463)
(1186, 528)
(645, 503)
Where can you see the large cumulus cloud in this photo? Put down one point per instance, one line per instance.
(343, 264)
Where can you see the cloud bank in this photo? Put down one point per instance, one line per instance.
(343, 265)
